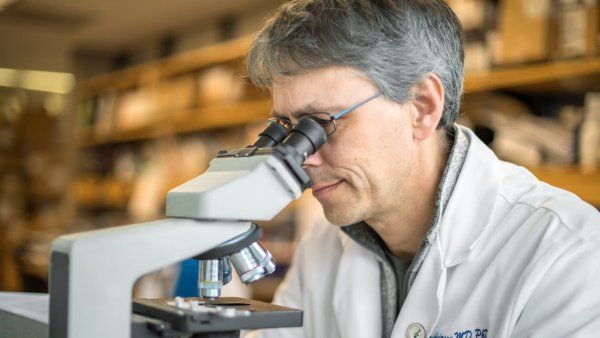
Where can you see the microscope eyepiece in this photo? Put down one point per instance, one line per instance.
(272, 135)
(306, 138)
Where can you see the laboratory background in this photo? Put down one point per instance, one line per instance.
(107, 105)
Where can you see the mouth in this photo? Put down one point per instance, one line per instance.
(319, 190)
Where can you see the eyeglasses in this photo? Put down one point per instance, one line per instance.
(325, 119)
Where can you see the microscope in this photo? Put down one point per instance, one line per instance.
(208, 218)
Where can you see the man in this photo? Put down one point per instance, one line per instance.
(434, 236)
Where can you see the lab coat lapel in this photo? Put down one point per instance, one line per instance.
(471, 204)
(357, 312)
(465, 218)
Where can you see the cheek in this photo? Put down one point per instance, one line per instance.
(334, 151)
(367, 154)
(357, 161)
(341, 154)
(382, 157)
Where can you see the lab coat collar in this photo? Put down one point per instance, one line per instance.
(470, 206)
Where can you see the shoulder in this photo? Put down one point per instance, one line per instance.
(520, 195)
(540, 202)
(562, 299)
(550, 240)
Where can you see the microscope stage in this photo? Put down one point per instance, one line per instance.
(197, 315)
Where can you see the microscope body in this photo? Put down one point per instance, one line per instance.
(92, 273)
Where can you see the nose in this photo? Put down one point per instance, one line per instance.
(313, 160)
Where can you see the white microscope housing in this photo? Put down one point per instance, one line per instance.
(92, 273)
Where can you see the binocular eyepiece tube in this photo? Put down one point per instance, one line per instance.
(248, 257)
(305, 138)
(272, 135)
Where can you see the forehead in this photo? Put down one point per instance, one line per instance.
(325, 89)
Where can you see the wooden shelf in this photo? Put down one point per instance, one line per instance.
(586, 185)
(178, 64)
(192, 120)
(562, 72)
(562, 75)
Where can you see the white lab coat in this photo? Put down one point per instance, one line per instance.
(513, 257)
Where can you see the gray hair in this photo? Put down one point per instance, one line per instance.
(394, 42)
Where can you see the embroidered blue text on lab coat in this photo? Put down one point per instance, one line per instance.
(476, 333)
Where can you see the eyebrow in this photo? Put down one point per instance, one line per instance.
(307, 109)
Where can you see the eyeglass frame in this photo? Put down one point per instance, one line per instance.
(332, 117)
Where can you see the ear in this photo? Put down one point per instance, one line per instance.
(428, 100)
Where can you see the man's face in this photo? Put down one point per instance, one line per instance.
(358, 173)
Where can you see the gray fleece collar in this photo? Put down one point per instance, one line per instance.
(365, 236)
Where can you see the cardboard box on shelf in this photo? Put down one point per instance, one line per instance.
(574, 28)
(105, 106)
(219, 84)
(519, 135)
(477, 57)
(135, 109)
(589, 137)
(471, 13)
(523, 32)
(176, 94)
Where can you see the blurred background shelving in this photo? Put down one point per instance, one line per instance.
(156, 100)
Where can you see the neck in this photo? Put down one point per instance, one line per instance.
(405, 223)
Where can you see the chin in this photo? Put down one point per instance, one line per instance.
(339, 216)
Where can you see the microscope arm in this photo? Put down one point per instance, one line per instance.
(92, 274)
